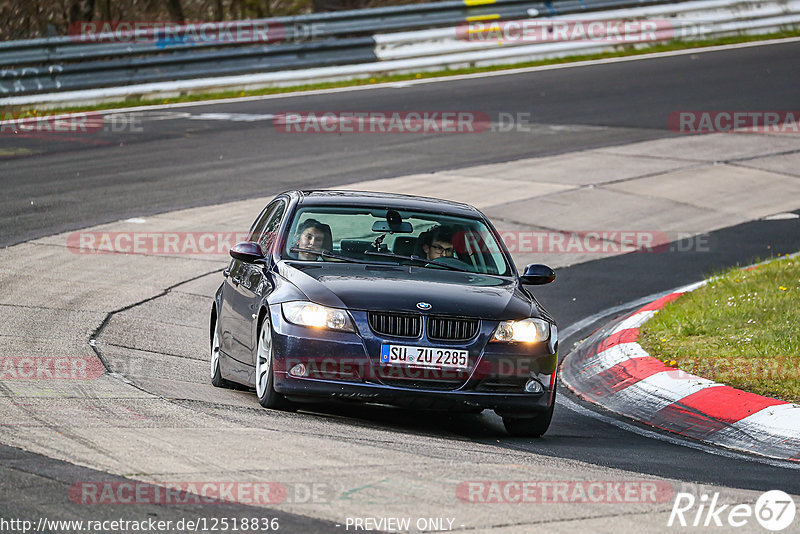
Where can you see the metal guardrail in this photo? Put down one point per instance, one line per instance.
(688, 20)
(181, 66)
(69, 63)
(332, 24)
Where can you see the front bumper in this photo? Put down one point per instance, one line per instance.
(346, 366)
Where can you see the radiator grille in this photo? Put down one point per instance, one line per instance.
(394, 324)
(452, 328)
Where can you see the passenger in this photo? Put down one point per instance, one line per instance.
(313, 235)
(437, 242)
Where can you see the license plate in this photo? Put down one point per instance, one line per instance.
(424, 356)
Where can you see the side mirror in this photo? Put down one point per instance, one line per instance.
(537, 274)
(248, 252)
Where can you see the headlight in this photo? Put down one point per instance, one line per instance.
(316, 316)
(528, 330)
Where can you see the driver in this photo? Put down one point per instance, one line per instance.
(313, 235)
(438, 242)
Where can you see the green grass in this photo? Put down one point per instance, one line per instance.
(30, 110)
(741, 329)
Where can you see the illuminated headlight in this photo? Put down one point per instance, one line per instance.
(527, 330)
(316, 316)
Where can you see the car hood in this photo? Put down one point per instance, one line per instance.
(401, 288)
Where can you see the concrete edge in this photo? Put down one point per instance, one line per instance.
(612, 370)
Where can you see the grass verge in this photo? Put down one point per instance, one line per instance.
(31, 110)
(741, 329)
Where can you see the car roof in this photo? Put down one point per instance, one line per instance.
(372, 198)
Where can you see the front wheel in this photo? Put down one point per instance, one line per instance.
(216, 373)
(265, 378)
(531, 426)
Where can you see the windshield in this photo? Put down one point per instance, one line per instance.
(400, 237)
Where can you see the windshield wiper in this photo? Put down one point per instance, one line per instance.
(326, 254)
(423, 261)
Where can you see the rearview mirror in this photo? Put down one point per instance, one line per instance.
(399, 228)
(537, 274)
(247, 251)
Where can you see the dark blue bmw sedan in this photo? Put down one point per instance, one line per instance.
(387, 299)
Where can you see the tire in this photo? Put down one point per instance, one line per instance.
(530, 426)
(216, 373)
(265, 378)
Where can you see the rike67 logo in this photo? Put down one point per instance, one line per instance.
(774, 510)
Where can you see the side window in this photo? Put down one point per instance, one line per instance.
(261, 222)
(269, 233)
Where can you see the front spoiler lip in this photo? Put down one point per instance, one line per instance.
(374, 392)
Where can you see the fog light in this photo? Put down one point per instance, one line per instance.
(298, 370)
(533, 386)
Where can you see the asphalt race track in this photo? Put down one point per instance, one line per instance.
(179, 162)
(205, 155)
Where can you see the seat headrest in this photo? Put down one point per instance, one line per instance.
(404, 245)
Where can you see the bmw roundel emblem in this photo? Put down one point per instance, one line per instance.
(423, 306)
